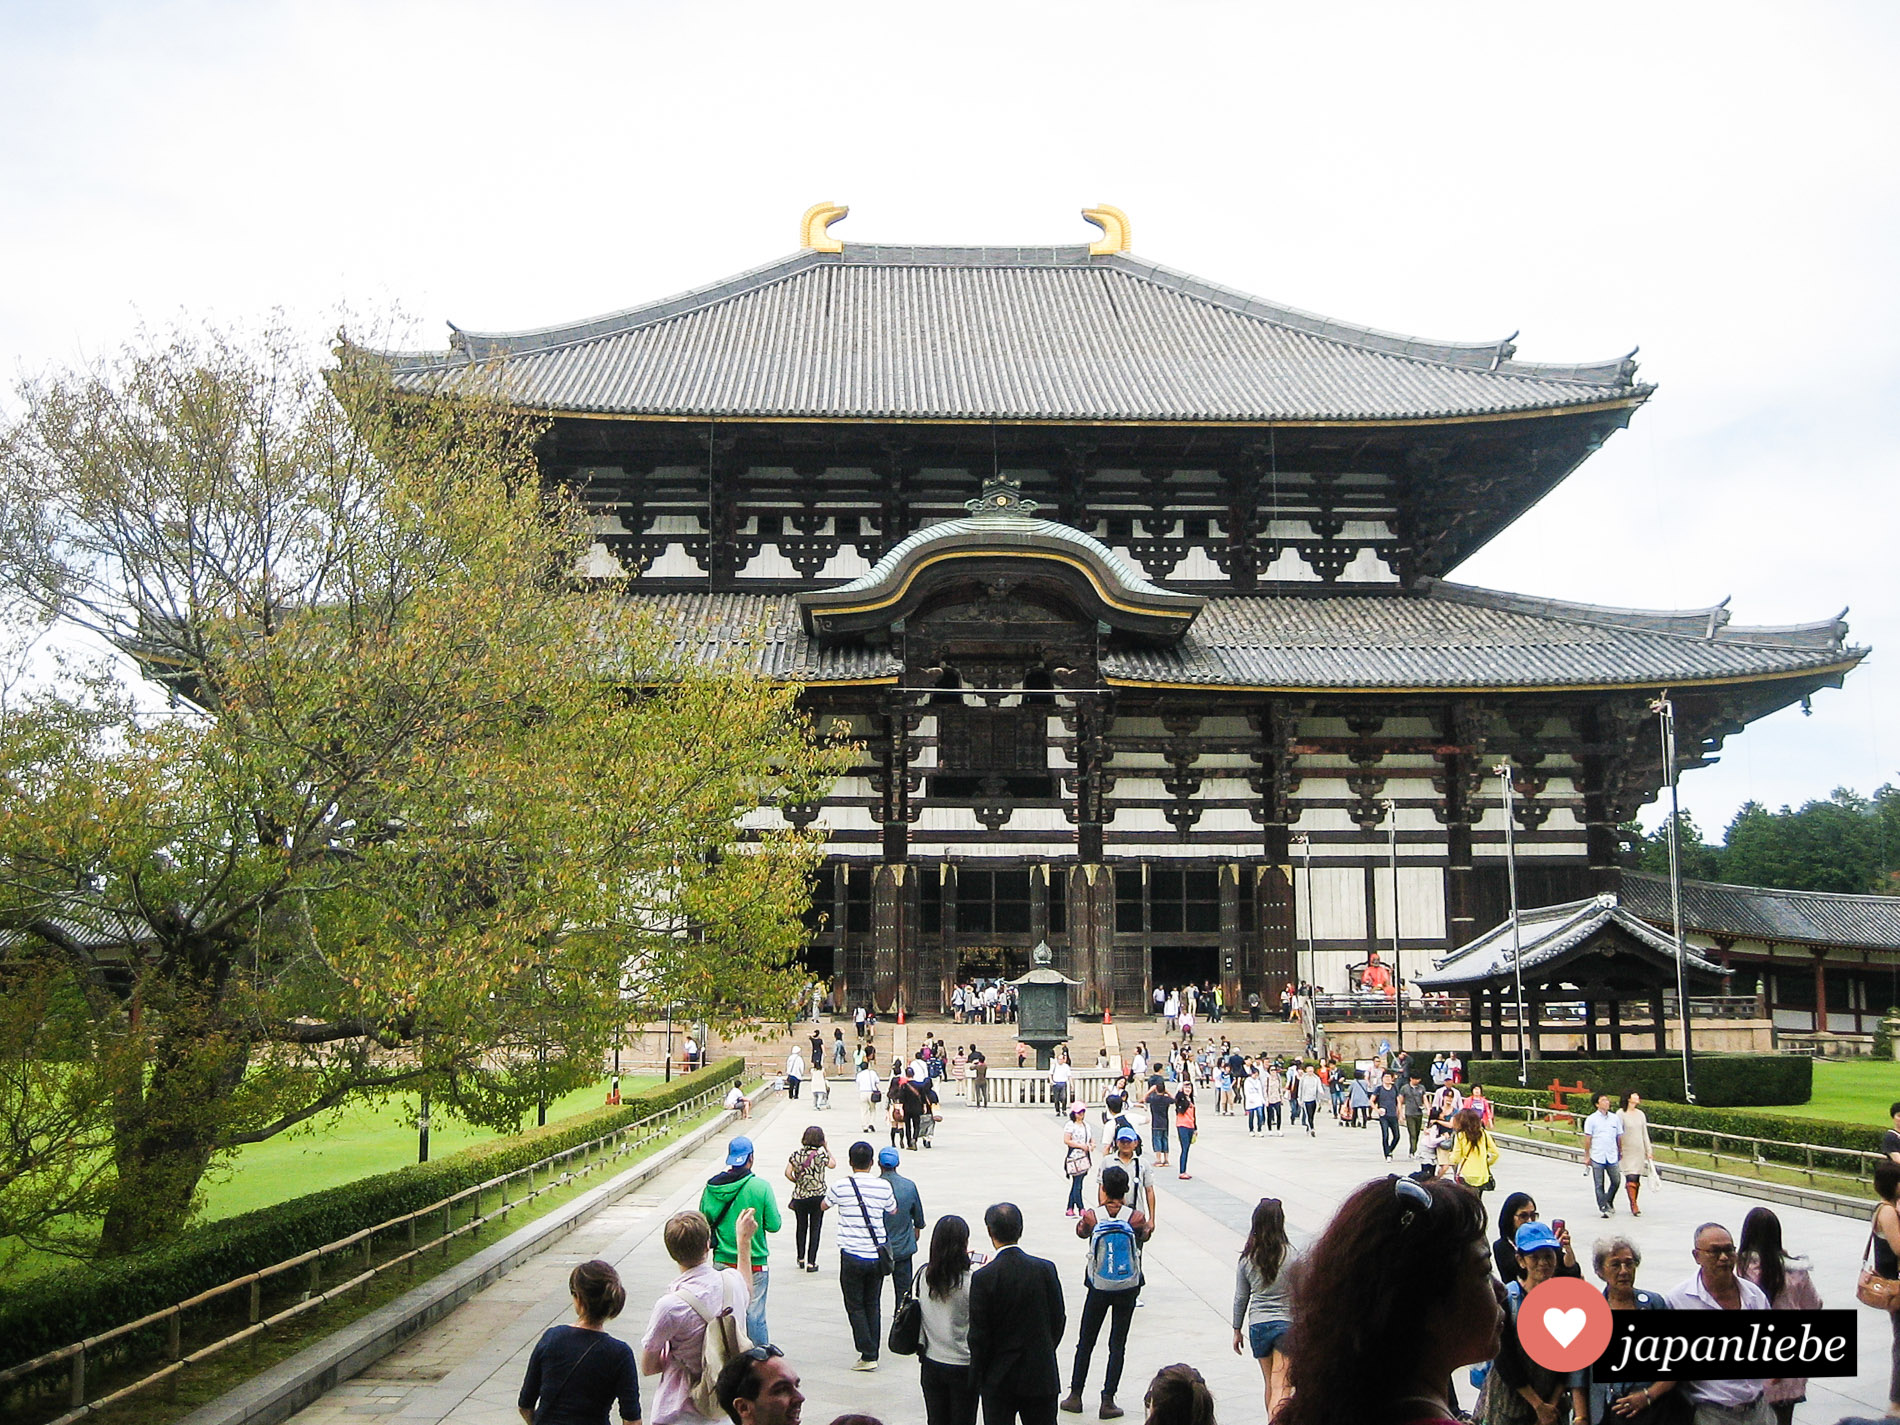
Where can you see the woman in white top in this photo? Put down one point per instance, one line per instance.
(1637, 1154)
(1059, 1072)
(1078, 1155)
(943, 1298)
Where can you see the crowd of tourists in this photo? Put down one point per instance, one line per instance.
(1395, 1313)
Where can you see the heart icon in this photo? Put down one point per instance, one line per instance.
(1564, 1326)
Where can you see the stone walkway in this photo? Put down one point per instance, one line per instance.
(469, 1366)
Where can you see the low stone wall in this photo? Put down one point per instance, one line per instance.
(1709, 1036)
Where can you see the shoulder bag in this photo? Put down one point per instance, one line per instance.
(547, 1400)
(1881, 1293)
(886, 1264)
(907, 1322)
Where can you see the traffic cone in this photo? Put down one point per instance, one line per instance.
(1108, 1016)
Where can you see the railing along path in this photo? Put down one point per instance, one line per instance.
(357, 1250)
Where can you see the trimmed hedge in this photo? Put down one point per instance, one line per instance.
(1781, 1132)
(1721, 1080)
(57, 1308)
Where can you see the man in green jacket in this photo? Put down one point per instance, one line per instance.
(724, 1197)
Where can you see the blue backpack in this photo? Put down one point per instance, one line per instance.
(1114, 1256)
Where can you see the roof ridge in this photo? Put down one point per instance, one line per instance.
(1667, 623)
(1495, 357)
(1869, 897)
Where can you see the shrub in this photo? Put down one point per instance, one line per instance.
(57, 1308)
(1785, 1139)
(1721, 1080)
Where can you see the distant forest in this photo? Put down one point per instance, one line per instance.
(1846, 843)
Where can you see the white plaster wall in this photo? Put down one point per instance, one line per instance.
(1337, 901)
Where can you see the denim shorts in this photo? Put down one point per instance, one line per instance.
(1264, 1337)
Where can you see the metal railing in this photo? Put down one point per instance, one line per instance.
(1557, 1013)
(1857, 1164)
(358, 1254)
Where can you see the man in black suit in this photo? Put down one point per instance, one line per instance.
(1016, 1323)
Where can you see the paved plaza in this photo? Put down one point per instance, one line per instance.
(468, 1367)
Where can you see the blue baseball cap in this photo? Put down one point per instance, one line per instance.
(1535, 1236)
(1125, 1134)
(738, 1151)
(887, 1158)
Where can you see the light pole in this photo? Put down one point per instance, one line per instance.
(1311, 1025)
(1398, 971)
(1665, 711)
(669, 1042)
(1503, 769)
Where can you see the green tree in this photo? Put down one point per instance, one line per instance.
(421, 805)
(1831, 845)
(1649, 851)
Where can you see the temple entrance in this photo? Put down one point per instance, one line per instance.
(991, 962)
(1175, 965)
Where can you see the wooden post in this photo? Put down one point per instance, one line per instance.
(1820, 991)
(1659, 1026)
(79, 1378)
(1616, 1023)
(1474, 1003)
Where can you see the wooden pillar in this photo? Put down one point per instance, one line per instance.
(1476, 1006)
(1616, 1023)
(898, 979)
(1590, 1026)
(1534, 1023)
(1660, 1025)
(1497, 1022)
(1092, 935)
(1820, 990)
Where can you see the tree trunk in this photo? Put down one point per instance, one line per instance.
(165, 1130)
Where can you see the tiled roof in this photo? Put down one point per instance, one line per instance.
(1454, 636)
(1545, 937)
(1448, 637)
(761, 634)
(1764, 913)
(1004, 334)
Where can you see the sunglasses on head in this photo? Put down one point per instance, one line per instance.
(760, 1353)
(1413, 1198)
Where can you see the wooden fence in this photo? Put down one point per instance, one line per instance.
(361, 1257)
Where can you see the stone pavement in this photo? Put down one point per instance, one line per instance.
(468, 1367)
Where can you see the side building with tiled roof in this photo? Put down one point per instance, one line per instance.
(1134, 591)
(1797, 950)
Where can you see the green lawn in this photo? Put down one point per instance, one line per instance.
(357, 1143)
(1849, 1091)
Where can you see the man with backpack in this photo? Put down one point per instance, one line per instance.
(724, 1197)
(1112, 1275)
(694, 1328)
(1140, 1188)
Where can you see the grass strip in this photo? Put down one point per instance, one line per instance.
(200, 1382)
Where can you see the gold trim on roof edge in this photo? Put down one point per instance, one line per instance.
(813, 228)
(1118, 234)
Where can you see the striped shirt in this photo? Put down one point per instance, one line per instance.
(856, 1236)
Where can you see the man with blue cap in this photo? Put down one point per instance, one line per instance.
(724, 1197)
(902, 1223)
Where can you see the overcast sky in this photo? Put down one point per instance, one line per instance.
(1715, 182)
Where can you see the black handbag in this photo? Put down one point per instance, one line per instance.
(907, 1323)
(886, 1263)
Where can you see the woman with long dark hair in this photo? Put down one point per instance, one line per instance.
(943, 1360)
(1518, 1209)
(1761, 1258)
(1184, 1123)
(1473, 1151)
(1263, 1296)
(1402, 1279)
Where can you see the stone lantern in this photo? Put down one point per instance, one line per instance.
(1042, 1005)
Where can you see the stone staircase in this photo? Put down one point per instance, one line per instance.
(766, 1045)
